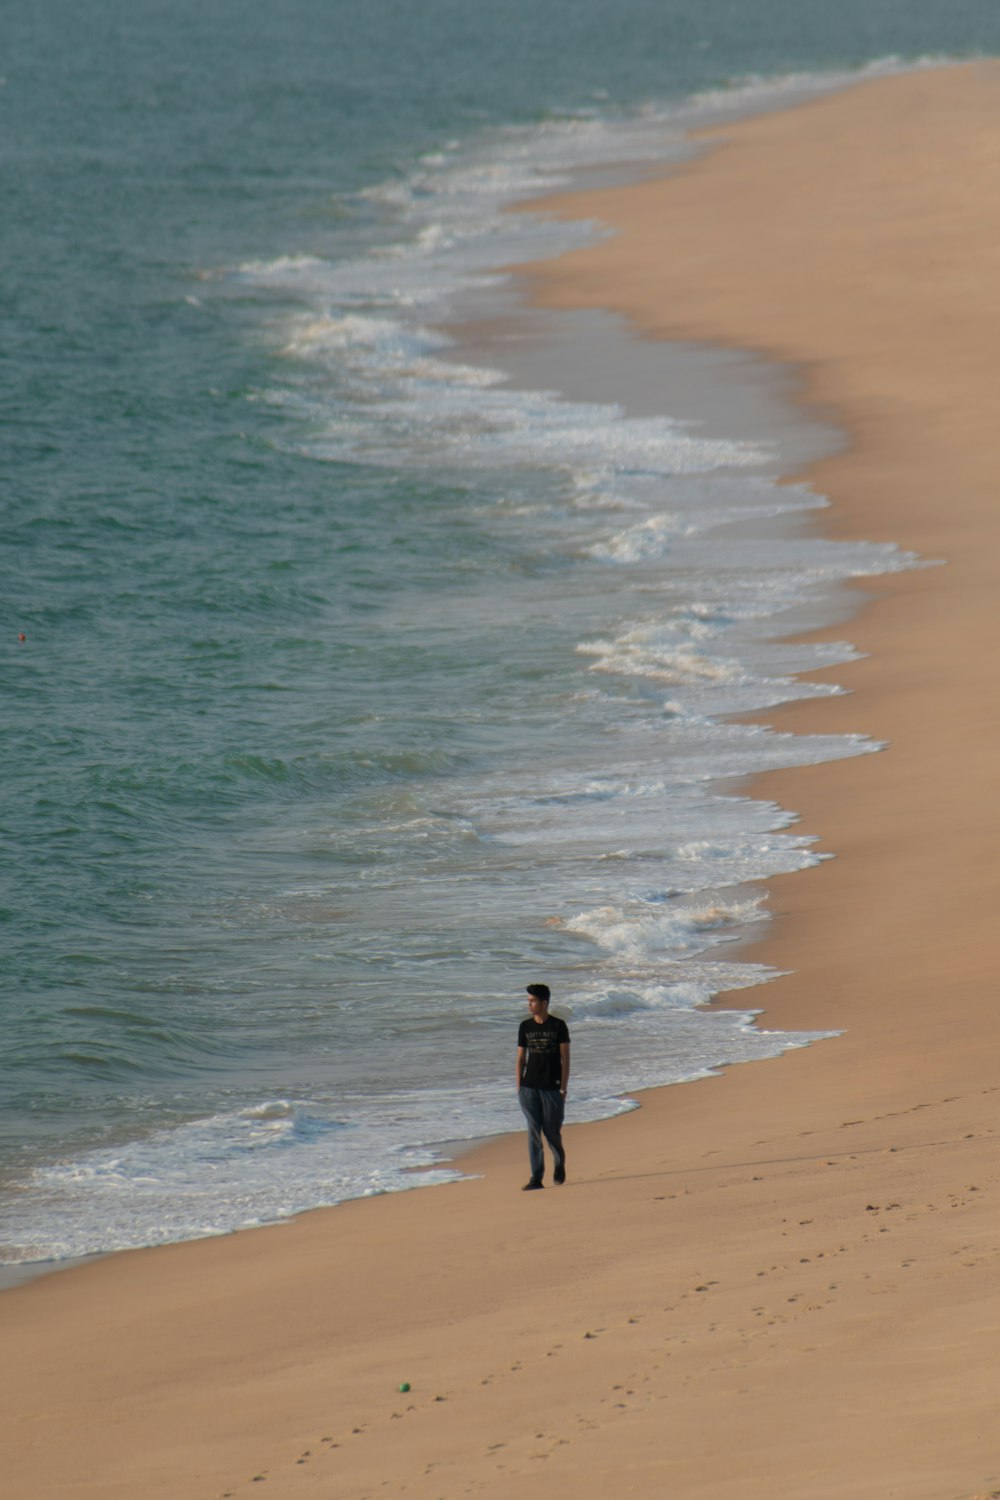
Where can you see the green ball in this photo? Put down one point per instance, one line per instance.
(404, 1387)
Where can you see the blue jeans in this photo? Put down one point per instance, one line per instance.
(543, 1109)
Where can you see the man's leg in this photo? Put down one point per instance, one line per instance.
(553, 1110)
(532, 1107)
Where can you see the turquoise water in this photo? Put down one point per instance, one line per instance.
(358, 687)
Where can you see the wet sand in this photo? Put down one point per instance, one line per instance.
(783, 1281)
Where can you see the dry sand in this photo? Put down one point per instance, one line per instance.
(782, 1282)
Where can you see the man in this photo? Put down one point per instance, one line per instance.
(542, 1079)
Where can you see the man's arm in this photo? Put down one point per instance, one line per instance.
(522, 1053)
(564, 1064)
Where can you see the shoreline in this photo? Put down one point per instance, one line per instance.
(744, 398)
(785, 1282)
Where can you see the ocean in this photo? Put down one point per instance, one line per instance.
(352, 682)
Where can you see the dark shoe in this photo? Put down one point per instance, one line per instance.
(559, 1175)
(529, 1187)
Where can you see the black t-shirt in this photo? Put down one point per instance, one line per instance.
(541, 1041)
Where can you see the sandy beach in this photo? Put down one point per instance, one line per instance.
(780, 1282)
